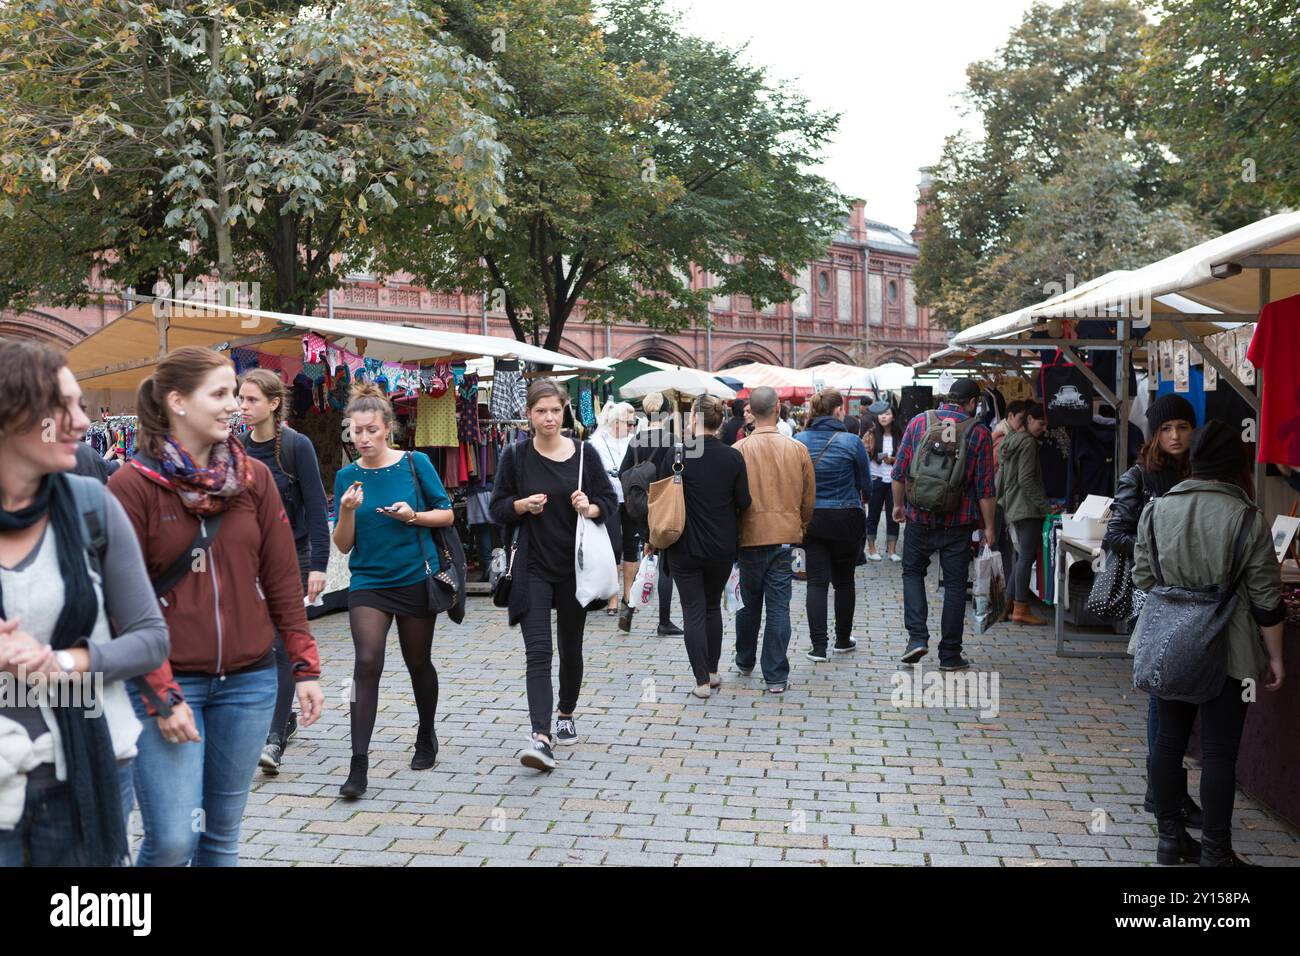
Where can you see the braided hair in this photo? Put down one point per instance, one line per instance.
(272, 386)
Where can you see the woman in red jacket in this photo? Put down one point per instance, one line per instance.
(219, 550)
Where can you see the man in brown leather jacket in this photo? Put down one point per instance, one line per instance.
(783, 487)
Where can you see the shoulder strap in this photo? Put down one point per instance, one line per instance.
(419, 498)
(828, 444)
(289, 452)
(582, 460)
(179, 568)
(91, 499)
(1155, 549)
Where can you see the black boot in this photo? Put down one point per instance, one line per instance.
(1191, 812)
(426, 748)
(355, 785)
(1175, 845)
(1218, 852)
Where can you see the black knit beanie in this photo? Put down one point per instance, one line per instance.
(1217, 451)
(1169, 408)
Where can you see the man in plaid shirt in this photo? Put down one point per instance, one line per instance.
(947, 534)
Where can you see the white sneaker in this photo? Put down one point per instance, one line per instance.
(873, 556)
(895, 557)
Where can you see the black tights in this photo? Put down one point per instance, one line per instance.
(1222, 720)
(369, 635)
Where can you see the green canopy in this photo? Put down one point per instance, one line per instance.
(622, 372)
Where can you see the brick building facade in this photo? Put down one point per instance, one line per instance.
(857, 306)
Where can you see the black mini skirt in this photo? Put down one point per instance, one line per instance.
(410, 600)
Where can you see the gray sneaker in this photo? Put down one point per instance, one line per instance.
(776, 688)
(537, 755)
(566, 731)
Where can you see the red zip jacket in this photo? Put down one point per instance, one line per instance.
(222, 619)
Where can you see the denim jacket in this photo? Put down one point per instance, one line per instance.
(843, 470)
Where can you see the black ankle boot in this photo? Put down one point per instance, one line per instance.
(426, 748)
(1191, 812)
(355, 785)
(1175, 845)
(1218, 852)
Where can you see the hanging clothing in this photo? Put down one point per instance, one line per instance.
(509, 392)
(435, 421)
(467, 410)
(1273, 350)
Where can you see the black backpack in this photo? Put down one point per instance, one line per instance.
(636, 487)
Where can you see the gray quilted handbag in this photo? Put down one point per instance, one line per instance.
(1179, 652)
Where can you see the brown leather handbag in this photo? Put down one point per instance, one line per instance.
(667, 517)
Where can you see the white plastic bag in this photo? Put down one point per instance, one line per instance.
(989, 588)
(647, 577)
(594, 567)
(732, 593)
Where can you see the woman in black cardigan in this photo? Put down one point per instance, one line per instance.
(536, 491)
(715, 486)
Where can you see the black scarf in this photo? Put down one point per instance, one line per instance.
(87, 746)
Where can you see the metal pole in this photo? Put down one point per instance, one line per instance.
(484, 317)
(794, 335)
(1121, 411)
(1265, 294)
(329, 304)
(708, 343)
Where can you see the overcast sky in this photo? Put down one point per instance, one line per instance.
(892, 68)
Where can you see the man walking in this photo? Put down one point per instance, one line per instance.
(783, 487)
(944, 469)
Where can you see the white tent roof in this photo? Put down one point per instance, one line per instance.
(125, 350)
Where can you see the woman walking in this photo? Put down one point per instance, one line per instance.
(220, 552)
(644, 446)
(715, 486)
(69, 562)
(834, 535)
(887, 432)
(387, 501)
(542, 485)
(1023, 499)
(617, 420)
(1193, 536)
(1162, 463)
(292, 460)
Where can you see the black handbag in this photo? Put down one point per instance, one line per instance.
(1178, 651)
(1113, 596)
(440, 586)
(501, 582)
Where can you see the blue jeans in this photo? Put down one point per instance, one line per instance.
(920, 543)
(45, 834)
(765, 577)
(192, 795)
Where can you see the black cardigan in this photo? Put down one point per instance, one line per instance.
(506, 491)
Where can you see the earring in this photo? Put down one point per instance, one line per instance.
(181, 413)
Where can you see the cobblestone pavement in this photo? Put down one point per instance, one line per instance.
(830, 773)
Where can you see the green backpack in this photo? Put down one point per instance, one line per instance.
(936, 476)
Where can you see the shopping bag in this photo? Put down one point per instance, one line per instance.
(989, 588)
(643, 585)
(594, 569)
(732, 596)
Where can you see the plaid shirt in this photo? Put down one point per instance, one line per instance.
(979, 470)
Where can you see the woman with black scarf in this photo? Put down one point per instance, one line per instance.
(65, 765)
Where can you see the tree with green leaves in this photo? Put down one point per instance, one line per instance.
(1059, 83)
(1221, 86)
(635, 152)
(258, 140)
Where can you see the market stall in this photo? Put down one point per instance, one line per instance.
(458, 397)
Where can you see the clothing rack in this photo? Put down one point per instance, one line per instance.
(112, 430)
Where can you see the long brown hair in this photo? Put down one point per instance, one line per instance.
(272, 386)
(1153, 459)
(181, 370)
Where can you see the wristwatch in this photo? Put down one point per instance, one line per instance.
(67, 663)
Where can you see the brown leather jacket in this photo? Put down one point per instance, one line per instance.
(783, 486)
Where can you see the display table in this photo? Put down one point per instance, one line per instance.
(1069, 551)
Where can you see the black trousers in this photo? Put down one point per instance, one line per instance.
(543, 596)
(700, 585)
(831, 543)
(1222, 720)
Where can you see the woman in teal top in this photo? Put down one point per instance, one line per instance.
(381, 517)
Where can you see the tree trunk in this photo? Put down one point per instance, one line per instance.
(225, 253)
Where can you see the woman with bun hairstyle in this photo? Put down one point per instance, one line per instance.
(833, 538)
(715, 486)
(383, 513)
(220, 552)
(66, 764)
(292, 460)
(541, 487)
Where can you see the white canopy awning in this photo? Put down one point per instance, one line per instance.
(124, 351)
